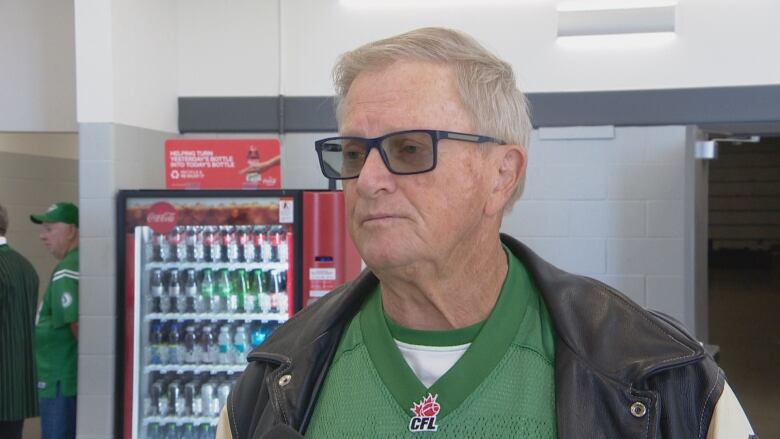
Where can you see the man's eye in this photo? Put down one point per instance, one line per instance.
(352, 155)
(410, 149)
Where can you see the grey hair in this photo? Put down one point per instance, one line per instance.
(486, 83)
(3, 220)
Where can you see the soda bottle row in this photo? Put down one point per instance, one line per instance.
(187, 396)
(220, 244)
(224, 291)
(192, 343)
(186, 431)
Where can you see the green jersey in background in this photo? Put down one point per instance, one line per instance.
(56, 347)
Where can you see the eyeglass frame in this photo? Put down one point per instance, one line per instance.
(376, 143)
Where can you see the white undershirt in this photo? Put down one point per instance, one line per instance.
(3, 240)
(429, 363)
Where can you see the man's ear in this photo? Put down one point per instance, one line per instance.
(509, 164)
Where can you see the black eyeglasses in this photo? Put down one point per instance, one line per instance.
(404, 152)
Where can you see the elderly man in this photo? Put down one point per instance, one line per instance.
(57, 331)
(18, 296)
(454, 330)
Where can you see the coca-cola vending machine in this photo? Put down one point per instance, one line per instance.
(204, 278)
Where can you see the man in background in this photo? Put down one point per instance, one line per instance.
(56, 333)
(18, 296)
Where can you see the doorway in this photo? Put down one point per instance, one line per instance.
(744, 274)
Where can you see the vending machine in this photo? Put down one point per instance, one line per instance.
(204, 278)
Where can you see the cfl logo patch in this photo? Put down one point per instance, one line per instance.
(425, 415)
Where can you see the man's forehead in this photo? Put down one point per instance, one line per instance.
(402, 95)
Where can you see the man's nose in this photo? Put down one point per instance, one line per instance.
(374, 175)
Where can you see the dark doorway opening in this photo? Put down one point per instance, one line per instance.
(744, 275)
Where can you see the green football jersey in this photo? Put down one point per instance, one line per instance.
(502, 386)
(56, 347)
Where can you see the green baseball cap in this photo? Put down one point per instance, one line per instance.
(61, 212)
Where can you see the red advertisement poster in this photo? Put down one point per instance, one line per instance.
(222, 164)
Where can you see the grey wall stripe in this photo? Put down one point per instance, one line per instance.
(228, 114)
(658, 107)
(309, 114)
(620, 108)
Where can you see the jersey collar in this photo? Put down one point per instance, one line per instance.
(487, 349)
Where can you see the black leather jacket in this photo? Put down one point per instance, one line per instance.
(620, 371)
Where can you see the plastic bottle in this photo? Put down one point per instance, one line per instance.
(240, 346)
(157, 242)
(156, 344)
(209, 348)
(155, 291)
(276, 233)
(282, 301)
(178, 303)
(190, 393)
(252, 298)
(210, 245)
(241, 239)
(190, 291)
(194, 244)
(224, 288)
(237, 298)
(250, 249)
(207, 293)
(153, 431)
(207, 396)
(181, 245)
(263, 236)
(174, 344)
(265, 292)
(225, 348)
(174, 238)
(191, 352)
(284, 250)
(204, 432)
(259, 334)
(276, 289)
(188, 432)
(223, 391)
(231, 243)
(165, 299)
(171, 431)
(155, 392)
(176, 398)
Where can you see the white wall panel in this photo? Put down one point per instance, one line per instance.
(94, 60)
(37, 77)
(145, 64)
(229, 48)
(315, 32)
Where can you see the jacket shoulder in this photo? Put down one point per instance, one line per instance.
(301, 348)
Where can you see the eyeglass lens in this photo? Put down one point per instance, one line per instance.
(403, 153)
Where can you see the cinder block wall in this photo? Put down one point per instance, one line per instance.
(611, 208)
(113, 157)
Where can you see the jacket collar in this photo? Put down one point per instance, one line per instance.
(601, 326)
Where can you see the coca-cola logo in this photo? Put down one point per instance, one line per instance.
(161, 217)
